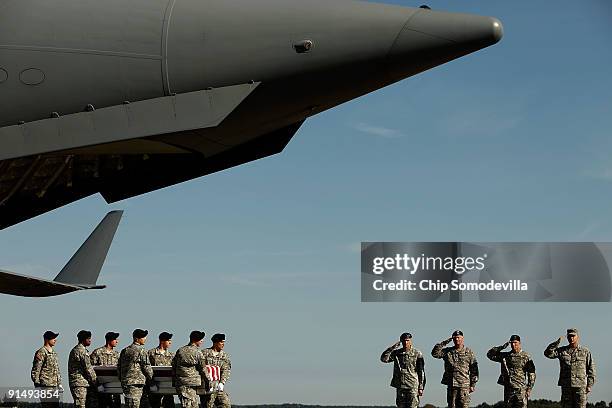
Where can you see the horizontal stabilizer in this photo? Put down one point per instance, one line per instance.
(85, 265)
(29, 286)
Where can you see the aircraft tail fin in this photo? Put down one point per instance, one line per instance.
(85, 265)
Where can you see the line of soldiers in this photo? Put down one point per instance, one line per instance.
(576, 376)
(190, 365)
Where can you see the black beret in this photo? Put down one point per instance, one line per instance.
(110, 336)
(165, 336)
(139, 333)
(457, 333)
(49, 335)
(83, 335)
(515, 337)
(218, 337)
(405, 336)
(196, 335)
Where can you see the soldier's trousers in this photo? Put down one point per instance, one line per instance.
(515, 397)
(406, 398)
(457, 397)
(132, 394)
(188, 396)
(109, 400)
(84, 397)
(218, 398)
(157, 401)
(573, 397)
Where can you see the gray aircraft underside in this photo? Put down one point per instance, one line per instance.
(125, 97)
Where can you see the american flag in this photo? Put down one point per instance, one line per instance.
(214, 372)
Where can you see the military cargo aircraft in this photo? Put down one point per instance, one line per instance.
(80, 273)
(125, 97)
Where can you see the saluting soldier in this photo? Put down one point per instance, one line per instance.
(577, 370)
(460, 370)
(107, 356)
(517, 372)
(134, 369)
(218, 366)
(45, 368)
(81, 376)
(188, 370)
(408, 371)
(161, 356)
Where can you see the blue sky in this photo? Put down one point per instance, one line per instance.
(512, 143)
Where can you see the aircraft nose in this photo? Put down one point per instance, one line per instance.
(457, 33)
(498, 29)
(456, 27)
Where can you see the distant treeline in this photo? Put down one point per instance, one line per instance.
(539, 403)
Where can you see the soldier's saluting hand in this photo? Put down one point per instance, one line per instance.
(517, 372)
(408, 372)
(577, 369)
(460, 370)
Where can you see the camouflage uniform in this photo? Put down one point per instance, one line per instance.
(134, 372)
(103, 356)
(517, 375)
(222, 360)
(159, 357)
(460, 373)
(577, 372)
(188, 370)
(46, 372)
(81, 377)
(408, 374)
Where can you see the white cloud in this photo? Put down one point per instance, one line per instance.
(480, 122)
(353, 247)
(242, 281)
(273, 254)
(379, 131)
(604, 174)
(589, 230)
(268, 279)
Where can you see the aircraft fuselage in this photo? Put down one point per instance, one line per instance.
(64, 58)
